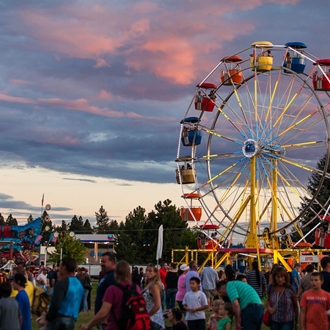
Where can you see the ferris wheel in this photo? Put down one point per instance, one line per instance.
(249, 141)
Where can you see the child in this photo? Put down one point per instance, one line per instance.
(9, 309)
(227, 312)
(212, 324)
(195, 302)
(314, 303)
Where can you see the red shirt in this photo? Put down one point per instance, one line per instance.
(162, 273)
(316, 304)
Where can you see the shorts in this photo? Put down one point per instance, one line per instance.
(210, 293)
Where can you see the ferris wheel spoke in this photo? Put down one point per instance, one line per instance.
(223, 172)
(217, 134)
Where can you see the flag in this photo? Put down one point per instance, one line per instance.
(38, 239)
(52, 238)
(160, 243)
(42, 200)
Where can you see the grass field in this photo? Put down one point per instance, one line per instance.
(84, 317)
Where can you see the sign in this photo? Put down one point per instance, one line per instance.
(309, 259)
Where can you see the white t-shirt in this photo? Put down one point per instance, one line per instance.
(195, 300)
(42, 277)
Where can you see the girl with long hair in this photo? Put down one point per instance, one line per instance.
(282, 301)
(152, 294)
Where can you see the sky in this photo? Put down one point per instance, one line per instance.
(92, 92)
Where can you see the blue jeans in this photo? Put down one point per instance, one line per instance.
(170, 298)
(84, 308)
(163, 300)
(251, 317)
(63, 323)
(281, 325)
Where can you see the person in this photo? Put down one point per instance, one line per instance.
(108, 265)
(51, 279)
(282, 301)
(162, 273)
(136, 276)
(192, 273)
(152, 294)
(241, 277)
(295, 274)
(175, 317)
(288, 60)
(247, 305)
(183, 270)
(218, 295)
(229, 274)
(85, 281)
(306, 280)
(314, 304)
(214, 318)
(42, 278)
(209, 278)
(141, 271)
(325, 264)
(19, 282)
(272, 270)
(3, 277)
(227, 311)
(29, 287)
(9, 309)
(171, 281)
(66, 299)
(195, 302)
(256, 279)
(113, 299)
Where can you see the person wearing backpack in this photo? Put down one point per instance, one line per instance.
(123, 304)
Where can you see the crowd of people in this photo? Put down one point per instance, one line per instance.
(296, 300)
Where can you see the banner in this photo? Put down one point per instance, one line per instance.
(160, 243)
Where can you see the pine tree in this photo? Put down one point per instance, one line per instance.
(322, 200)
(87, 228)
(11, 220)
(30, 218)
(102, 221)
(76, 225)
(2, 219)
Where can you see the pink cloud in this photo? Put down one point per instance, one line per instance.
(82, 105)
(104, 95)
(171, 44)
(20, 82)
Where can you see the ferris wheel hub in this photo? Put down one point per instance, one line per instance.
(250, 148)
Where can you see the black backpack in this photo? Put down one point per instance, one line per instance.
(134, 310)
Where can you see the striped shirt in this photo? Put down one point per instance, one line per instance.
(252, 279)
(242, 292)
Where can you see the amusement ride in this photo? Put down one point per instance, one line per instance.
(249, 141)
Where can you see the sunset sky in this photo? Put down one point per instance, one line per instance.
(92, 92)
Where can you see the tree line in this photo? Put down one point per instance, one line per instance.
(135, 238)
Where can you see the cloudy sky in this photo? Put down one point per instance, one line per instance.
(92, 92)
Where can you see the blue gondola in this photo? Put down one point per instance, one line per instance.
(190, 136)
(297, 62)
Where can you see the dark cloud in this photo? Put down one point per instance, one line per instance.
(114, 112)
